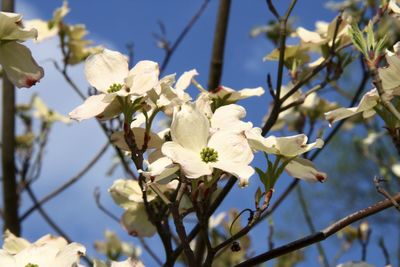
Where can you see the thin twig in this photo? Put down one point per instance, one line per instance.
(170, 51)
(67, 184)
(384, 251)
(383, 192)
(96, 195)
(311, 226)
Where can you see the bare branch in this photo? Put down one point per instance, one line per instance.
(320, 236)
(170, 51)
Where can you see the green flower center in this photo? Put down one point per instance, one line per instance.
(115, 87)
(209, 154)
(31, 265)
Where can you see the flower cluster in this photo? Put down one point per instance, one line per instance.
(206, 139)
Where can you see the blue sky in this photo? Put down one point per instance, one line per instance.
(114, 24)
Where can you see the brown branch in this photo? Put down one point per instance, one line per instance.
(320, 236)
(96, 195)
(217, 58)
(180, 229)
(383, 192)
(10, 194)
(170, 50)
(67, 184)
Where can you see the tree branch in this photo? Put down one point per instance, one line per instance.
(320, 236)
(10, 194)
(217, 58)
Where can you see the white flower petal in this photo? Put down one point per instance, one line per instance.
(142, 77)
(231, 147)
(42, 28)
(367, 102)
(69, 255)
(137, 223)
(242, 172)
(127, 193)
(304, 169)
(394, 7)
(190, 128)
(228, 118)
(92, 107)
(234, 95)
(190, 161)
(184, 80)
(19, 65)
(105, 69)
(13, 244)
(11, 29)
(6, 259)
(309, 36)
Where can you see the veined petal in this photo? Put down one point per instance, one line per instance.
(309, 36)
(304, 169)
(127, 193)
(190, 128)
(190, 162)
(42, 27)
(257, 141)
(291, 146)
(137, 223)
(105, 69)
(93, 106)
(231, 147)
(242, 172)
(367, 102)
(69, 255)
(7, 259)
(143, 77)
(41, 255)
(19, 65)
(11, 29)
(228, 118)
(234, 95)
(184, 80)
(13, 244)
(390, 74)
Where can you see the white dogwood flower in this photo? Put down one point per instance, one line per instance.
(198, 152)
(15, 58)
(108, 72)
(289, 147)
(48, 251)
